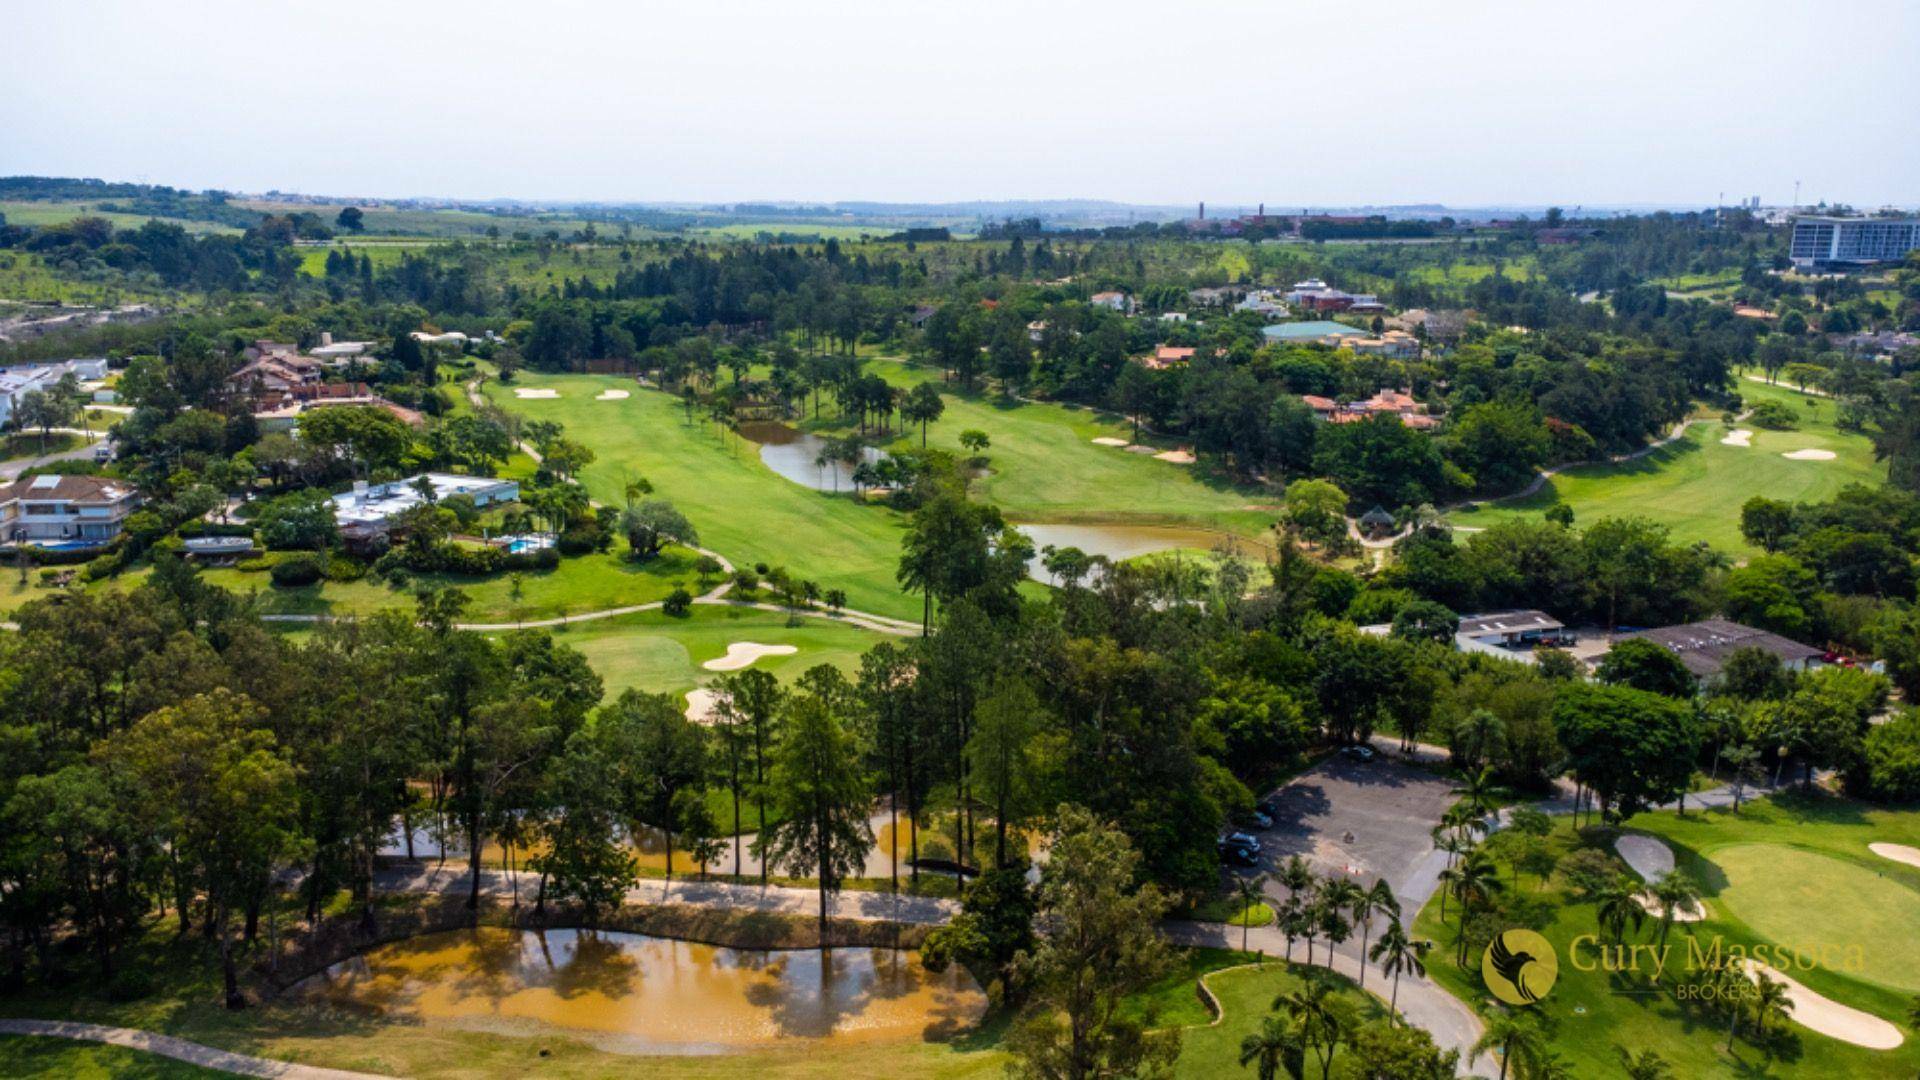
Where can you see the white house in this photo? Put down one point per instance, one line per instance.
(65, 511)
(369, 509)
(17, 382)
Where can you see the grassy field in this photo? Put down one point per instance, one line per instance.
(663, 654)
(26, 276)
(32, 1058)
(1787, 872)
(57, 211)
(1696, 486)
(576, 586)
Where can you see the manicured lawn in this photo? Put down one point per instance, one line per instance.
(1594, 1013)
(662, 654)
(741, 508)
(25, 1056)
(1246, 997)
(1697, 485)
(1045, 467)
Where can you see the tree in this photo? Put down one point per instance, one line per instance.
(222, 795)
(351, 218)
(1633, 748)
(975, 441)
(666, 755)
(1515, 1036)
(1766, 523)
(1101, 945)
(1676, 892)
(1277, 1045)
(653, 524)
(43, 410)
(1396, 953)
(1317, 509)
(820, 800)
(1323, 1019)
(994, 927)
(1771, 1000)
(1646, 1065)
(1645, 665)
(1003, 753)
(923, 405)
(1617, 903)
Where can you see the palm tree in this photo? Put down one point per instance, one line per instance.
(1296, 875)
(1646, 1065)
(1479, 791)
(1395, 952)
(1250, 890)
(1322, 1020)
(1514, 1037)
(1275, 1046)
(1337, 897)
(1617, 904)
(1477, 878)
(1770, 1000)
(1380, 898)
(1291, 918)
(1676, 892)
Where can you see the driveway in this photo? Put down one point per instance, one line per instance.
(1362, 820)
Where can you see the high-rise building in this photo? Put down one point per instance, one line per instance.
(1852, 241)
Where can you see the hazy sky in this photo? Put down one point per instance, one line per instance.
(1286, 102)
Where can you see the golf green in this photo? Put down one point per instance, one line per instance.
(1838, 912)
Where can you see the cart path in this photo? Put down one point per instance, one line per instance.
(192, 1053)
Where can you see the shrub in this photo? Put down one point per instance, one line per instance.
(298, 571)
(254, 566)
(1889, 770)
(1774, 416)
(677, 602)
(343, 568)
(105, 566)
(130, 984)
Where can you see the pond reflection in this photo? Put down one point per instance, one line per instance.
(796, 455)
(630, 993)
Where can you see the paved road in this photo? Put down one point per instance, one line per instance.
(192, 1053)
(13, 467)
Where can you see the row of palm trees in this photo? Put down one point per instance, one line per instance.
(1329, 909)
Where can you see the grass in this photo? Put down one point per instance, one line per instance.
(659, 653)
(1246, 996)
(1697, 485)
(1045, 467)
(27, 1056)
(1593, 1013)
(60, 211)
(741, 508)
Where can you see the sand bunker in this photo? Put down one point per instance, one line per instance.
(743, 653)
(1136, 448)
(701, 705)
(612, 395)
(531, 392)
(1108, 440)
(1694, 912)
(1178, 457)
(1897, 852)
(1810, 455)
(1650, 858)
(1825, 1016)
(1738, 437)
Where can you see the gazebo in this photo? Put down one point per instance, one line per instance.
(1376, 522)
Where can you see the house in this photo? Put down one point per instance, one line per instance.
(1036, 330)
(1265, 303)
(1394, 345)
(1316, 295)
(1442, 326)
(1885, 343)
(19, 381)
(65, 511)
(920, 314)
(334, 353)
(369, 509)
(1214, 296)
(1167, 356)
(1399, 403)
(1704, 646)
(450, 337)
(281, 412)
(1376, 522)
(1114, 301)
(1509, 634)
(1173, 316)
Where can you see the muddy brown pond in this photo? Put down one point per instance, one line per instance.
(634, 994)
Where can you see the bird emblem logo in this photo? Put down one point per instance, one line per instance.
(1519, 967)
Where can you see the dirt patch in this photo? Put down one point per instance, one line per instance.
(1738, 437)
(742, 654)
(1825, 1016)
(1809, 455)
(534, 393)
(1900, 853)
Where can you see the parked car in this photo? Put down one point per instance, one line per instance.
(1254, 819)
(1238, 855)
(1361, 753)
(1269, 806)
(1241, 839)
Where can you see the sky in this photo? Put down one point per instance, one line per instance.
(1468, 103)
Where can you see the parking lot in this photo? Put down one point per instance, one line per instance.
(1365, 820)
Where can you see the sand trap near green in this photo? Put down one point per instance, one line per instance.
(1814, 903)
(743, 653)
(1897, 852)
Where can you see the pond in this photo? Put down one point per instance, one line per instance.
(647, 845)
(635, 994)
(795, 455)
(1121, 542)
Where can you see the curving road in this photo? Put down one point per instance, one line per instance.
(192, 1053)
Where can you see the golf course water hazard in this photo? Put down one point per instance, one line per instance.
(1121, 542)
(795, 454)
(629, 993)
